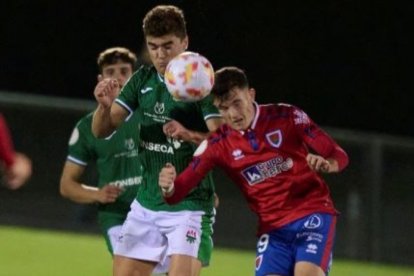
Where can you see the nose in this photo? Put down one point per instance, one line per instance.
(232, 112)
(119, 77)
(161, 53)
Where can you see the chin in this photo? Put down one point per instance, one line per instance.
(161, 68)
(237, 127)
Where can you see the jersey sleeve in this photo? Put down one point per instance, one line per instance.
(79, 149)
(208, 109)
(6, 144)
(317, 139)
(203, 161)
(128, 95)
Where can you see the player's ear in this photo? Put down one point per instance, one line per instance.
(99, 78)
(185, 42)
(252, 93)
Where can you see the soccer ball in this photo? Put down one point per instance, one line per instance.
(189, 77)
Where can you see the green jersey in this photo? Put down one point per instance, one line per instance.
(146, 94)
(116, 160)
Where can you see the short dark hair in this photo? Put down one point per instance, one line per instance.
(226, 79)
(163, 20)
(115, 54)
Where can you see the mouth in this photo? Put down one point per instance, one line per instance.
(162, 63)
(238, 123)
(162, 66)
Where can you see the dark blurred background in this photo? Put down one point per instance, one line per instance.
(346, 63)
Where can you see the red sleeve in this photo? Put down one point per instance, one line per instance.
(188, 179)
(6, 144)
(326, 147)
(183, 184)
(319, 141)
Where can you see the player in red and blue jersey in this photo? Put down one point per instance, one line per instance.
(275, 154)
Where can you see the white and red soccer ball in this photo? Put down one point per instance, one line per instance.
(189, 77)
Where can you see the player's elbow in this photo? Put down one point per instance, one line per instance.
(175, 198)
(100, 132)
(63, 189)
(345, 163)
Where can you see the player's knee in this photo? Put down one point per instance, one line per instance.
(308, 269)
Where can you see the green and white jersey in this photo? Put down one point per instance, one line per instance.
(146, 94)
(116, 160)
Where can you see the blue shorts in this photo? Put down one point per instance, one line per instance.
(309, 239)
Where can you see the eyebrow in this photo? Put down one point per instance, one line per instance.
(161, 45)
(221, 106)
(113, 66)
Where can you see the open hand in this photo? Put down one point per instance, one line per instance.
(106, 91)
(176, 130)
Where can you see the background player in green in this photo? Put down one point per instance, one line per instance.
(154, 231)
(116, 157)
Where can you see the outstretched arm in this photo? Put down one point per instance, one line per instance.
(320, 164)
(108, 115)
(72, 188)
(176, 130)
(329, 157)
(174, 188)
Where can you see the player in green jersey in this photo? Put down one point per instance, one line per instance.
(116, 157)
(155, 232)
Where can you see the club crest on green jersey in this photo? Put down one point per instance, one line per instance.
(176, 143)
(159, 108)
(191, 236)
(129, 144)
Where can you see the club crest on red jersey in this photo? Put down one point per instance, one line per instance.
(274, 138)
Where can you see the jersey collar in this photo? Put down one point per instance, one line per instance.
(256, 117)
(160, 77)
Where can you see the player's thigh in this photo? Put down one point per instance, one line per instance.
(189, 234)
(308, 269)
(123, 266)
(184, 265)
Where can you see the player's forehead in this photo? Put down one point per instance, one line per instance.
(228, 99)
(116, 66)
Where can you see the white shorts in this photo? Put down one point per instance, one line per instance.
(156, 235)
(113, 234)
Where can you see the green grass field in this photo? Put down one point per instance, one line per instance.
(29, 252)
